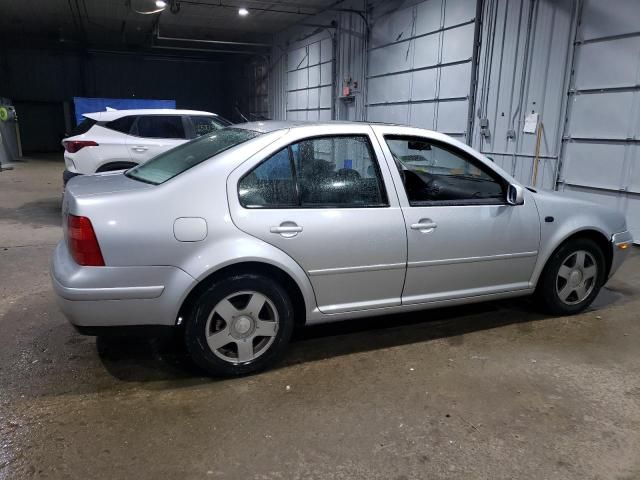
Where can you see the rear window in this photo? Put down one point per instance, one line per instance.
(83, 127)
(121, 124)
(175, 161)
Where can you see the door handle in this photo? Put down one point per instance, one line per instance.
(295, 229)
(140, 149)
(287, 229)
(425, 226)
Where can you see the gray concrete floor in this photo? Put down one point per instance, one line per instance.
(488, 391)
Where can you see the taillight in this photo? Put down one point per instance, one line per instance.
(83, 243)
(72, 146)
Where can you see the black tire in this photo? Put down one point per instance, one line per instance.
(196, 325)
(547, 294)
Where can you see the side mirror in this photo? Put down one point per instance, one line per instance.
(515, 194)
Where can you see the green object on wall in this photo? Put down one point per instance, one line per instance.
(4, 114)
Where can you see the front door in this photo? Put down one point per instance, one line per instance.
(324, 202)
(463, 239)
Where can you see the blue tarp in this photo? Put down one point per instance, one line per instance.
(89, 105)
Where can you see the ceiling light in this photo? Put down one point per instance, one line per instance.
(243, 12)
(161, 3)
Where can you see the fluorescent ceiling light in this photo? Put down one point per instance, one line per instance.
(161, 3)
(243, 12)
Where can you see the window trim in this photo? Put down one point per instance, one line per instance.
(375, 161)
(460, 153)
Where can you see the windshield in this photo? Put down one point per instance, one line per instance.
(173, 162)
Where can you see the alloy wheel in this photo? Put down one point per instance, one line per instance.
(242, 327)
(577, 277)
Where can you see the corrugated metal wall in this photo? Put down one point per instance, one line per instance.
(601, 154)
(420, 64)
(310, 82)
(574, 64)
(310, 61)
(522, 69)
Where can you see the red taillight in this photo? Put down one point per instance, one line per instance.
(72, 146)
(83, 243)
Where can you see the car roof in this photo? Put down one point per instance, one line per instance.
(109, 115)
(273, 125)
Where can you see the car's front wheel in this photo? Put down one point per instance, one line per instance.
(239, 325)
(572, 278)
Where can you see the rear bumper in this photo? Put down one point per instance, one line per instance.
(621, 244)
(117, 296)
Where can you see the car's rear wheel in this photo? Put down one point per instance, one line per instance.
(572, 278)
(239, 325)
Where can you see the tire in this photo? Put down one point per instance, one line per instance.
(223, 331)
(562, 291)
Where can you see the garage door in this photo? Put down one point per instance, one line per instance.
(420, 65)
(310, 80)
(601, 158)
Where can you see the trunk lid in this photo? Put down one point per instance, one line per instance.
(103, 183)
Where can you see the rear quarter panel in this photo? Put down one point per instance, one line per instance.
(134, 225)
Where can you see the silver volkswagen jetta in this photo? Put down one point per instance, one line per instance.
(242, 234)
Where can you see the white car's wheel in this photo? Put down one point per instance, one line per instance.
(239, 325)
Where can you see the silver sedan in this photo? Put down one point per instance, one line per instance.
(242, 234)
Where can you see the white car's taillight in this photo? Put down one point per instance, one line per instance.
(72, 146)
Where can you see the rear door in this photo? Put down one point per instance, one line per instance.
(152, 135)
(321, 195)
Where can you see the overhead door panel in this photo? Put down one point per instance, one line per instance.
(601, 143)
(310, 80)
(419, 65)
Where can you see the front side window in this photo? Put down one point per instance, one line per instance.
(177, 160)
(159, 126)
(433, 172)
(334, 171)
(203, 124)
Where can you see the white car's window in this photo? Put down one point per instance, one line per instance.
(336, 171)
(205, 124)
(433, 172)
(159, 126)
(177, 160)
(122, 125)
(83, 127)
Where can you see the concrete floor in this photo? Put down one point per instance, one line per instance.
(488, 391)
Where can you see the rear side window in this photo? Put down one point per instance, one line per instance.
(177, 160)
(203, 125)
(338, 171)
(159, 126)
(332, 171)
(122, 125)
(83, 127)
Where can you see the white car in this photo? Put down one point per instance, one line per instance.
(121, 139)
